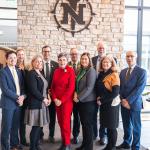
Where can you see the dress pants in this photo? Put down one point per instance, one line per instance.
(102, 130)
(86, 112)
(22, 129)
(10, 126)
(52, 114)
(34, 137)
(112, 138)
(64, 119)
(76, 121)
(132, 127)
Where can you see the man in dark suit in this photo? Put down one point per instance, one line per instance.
(76, 119)
(12, 86)
(48, 71)
(132, 83)
(101, 49)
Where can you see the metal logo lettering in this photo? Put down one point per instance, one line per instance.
(73, 15)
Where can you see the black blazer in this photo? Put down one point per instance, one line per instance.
(94, 61)
(54, 65)
(35, 90)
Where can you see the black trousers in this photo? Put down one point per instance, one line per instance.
(34, 137)
(52, 115)
(112, 138)
(86, 112)
(102, 130)
(76, 121)
(22, 128)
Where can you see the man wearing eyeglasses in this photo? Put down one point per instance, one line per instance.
(74, 54)
(49, 67)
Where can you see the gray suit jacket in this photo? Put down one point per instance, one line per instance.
(86, 86)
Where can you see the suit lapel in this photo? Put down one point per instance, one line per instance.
(10, 75)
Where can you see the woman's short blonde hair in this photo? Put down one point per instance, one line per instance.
(113, 63)
(34, 58)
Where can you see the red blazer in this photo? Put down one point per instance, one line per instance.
(63, 84)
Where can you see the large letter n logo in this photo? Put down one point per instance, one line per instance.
(69, 10)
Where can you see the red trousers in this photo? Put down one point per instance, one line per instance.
(64, 119)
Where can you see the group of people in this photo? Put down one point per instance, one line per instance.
(82, 87)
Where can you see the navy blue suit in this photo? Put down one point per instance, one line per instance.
(10, 107)
(131, 90)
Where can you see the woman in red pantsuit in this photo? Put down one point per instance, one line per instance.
(62, 90)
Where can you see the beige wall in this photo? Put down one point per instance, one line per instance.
(37, 27)
(2, 57)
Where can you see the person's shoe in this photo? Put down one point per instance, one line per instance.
(25, 144)
(38, 147)
(80, 148)
(61, 147)
(75, 140)
(67, 147)
(109, 148)
(124, 146)
(51, 139)
(102, 141)
(18, 147)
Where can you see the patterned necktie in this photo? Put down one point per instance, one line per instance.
(16, 80)
(128, 73)
(47, 74)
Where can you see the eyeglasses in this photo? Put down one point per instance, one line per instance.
(73, 54)
(46, 51)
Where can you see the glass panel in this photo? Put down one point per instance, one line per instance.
(130, 42)
(146, 22)
(8, 3)
(131, 2)
(130, 21)
(8, 23)
(147, 3)
(8, 14)
(146, 55)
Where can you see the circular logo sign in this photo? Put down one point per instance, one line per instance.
(73, 15)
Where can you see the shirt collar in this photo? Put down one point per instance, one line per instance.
(132, 67)
(46, 61)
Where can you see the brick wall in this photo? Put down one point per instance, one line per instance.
(37, 27)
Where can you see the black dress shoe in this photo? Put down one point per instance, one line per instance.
(75, 140)
(67, 147)
(124, 146)
(51, 139)
(80, 148)
(102, 141)
(25, 144)
(38, 147)
(109, 148)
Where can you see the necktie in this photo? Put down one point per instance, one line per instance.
(47, 75)
(16, 80)
(74, 68)
(128, 73)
